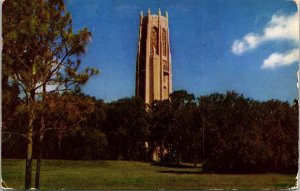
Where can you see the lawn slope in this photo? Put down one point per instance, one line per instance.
(59, 174)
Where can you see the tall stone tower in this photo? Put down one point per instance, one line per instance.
(153, 65)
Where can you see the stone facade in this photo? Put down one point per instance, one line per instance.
(153, 66)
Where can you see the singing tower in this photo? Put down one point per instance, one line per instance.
(153, 65)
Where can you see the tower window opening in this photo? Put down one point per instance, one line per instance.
(154, 40)
(165, 66)
(164, 42)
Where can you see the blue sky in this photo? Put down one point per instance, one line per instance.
(249, 46)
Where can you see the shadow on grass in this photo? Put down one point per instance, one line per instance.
(172, 165)
(179, 172)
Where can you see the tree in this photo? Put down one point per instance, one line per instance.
(173, 128)
(127, 128)
(161, 121)
(279, 122)
(182, 131)
(13, 139)
(244, 135)
(228, 124)
(87, 142)
(39, 47)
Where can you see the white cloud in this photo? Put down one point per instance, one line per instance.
(280, 27)
(250, 41)
(285, 27)
(281, 59)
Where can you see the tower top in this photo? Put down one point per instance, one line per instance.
(159, 12)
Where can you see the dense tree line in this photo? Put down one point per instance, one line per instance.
(224, 132)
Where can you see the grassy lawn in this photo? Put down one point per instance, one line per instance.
(58, 174)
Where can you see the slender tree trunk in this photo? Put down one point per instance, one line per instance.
(38, 168)
(40, 144)
(28, 171)
(28, 168)
(39, 159)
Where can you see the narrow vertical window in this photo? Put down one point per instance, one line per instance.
(154, 40)
(165, 66)
(164, 42)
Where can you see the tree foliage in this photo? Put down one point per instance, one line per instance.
(127, 129)
(40, 56)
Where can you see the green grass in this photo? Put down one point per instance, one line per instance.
(59, 174)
